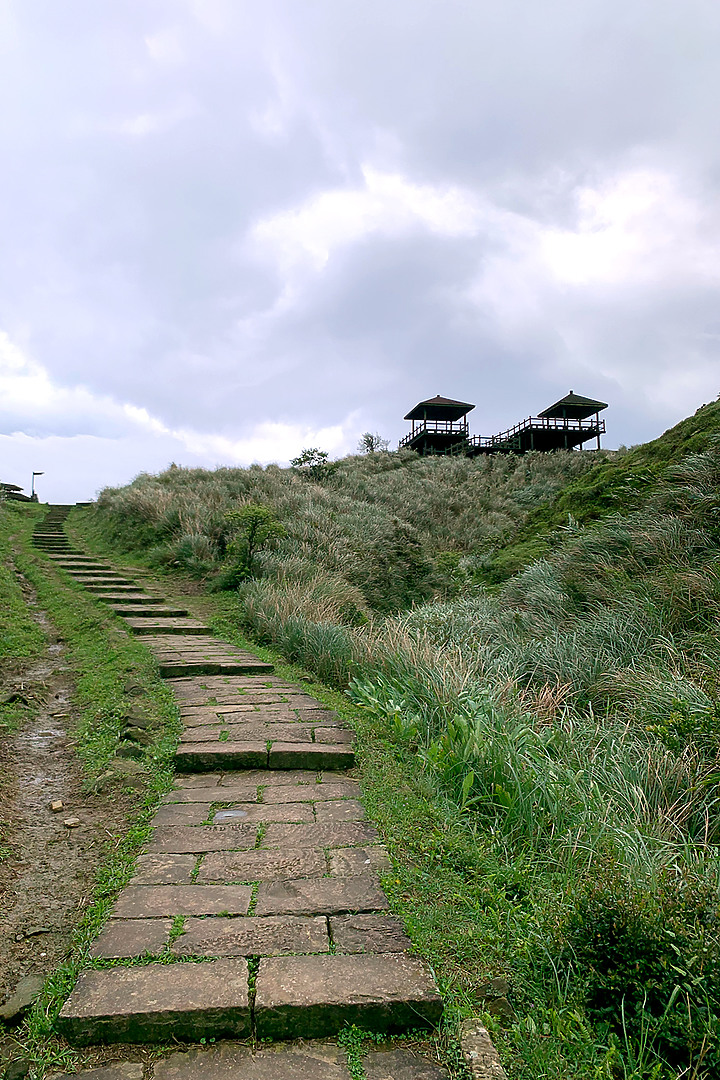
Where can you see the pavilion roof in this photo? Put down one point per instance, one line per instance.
(439, 408)
(573, 407)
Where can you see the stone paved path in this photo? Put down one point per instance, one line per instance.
(256, 907)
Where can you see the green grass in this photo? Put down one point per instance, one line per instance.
(619, 484)
(22, 639)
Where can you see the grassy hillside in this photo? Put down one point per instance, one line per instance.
(618, 482)
(570, 714)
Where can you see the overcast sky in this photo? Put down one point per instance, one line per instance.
(230, 230)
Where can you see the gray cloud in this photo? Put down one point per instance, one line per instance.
(232, 216)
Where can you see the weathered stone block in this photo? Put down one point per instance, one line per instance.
(250, 812)
(192, 757)
(262, 865)
(315, 996)
(151, 901)
(342, 834)
(252, 936)
(310, 756)
(132, 937)
(332, 789)
(179, 839)
(359, 860)
(163, 870)
(324, 895)
(339, 810)
(368, 933)
(401, 1065)
(178, 814)
(158, 1003)
(230, 1061)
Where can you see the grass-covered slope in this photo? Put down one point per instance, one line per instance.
(570, 715)
(616, 482)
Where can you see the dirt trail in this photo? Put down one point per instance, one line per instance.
(47, 868)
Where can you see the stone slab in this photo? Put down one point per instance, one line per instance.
(316, 996)
(151, 901)
(153, 625)
(130, 596)
(120, 1070)
(231, 1061)
(182, 839)
(262, 865)
(320, 895)
(193, 813)
(191, 757)
(164, 869)
(211, 794)
(132, 937)
(158, 1003)
(332, 789)
(359, 860)
(368, 934)
(248, 732)
(310, 756)
(401, 1065)
(251, 812)
(339, 810)
(252, 936)
(343, 834)
(148, 611)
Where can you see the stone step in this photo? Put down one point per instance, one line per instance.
(179, 655)
(80, 567)
(198, 757)
(167, 625)
(156, 1004)
(113, 587)
(152, 608)
(132, 596)
(85, 577)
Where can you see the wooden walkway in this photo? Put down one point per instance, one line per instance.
(256, 908)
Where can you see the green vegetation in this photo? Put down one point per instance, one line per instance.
(22, 639)
(542, 756)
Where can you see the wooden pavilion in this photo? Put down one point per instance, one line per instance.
(439, 426)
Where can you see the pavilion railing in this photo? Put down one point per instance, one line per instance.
(592, 426)
(439, 427)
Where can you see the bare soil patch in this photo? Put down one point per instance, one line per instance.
(47, 866)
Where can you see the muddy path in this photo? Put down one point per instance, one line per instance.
(48, 858)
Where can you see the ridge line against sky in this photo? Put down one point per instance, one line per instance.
(232, 229)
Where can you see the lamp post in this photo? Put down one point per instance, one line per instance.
(32, 487)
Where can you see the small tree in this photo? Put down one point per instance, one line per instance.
(252, 526)
(372, 443)
(314, 463)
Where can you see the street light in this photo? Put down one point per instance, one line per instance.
(32, 488)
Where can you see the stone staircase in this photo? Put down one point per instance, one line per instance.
(256, 907)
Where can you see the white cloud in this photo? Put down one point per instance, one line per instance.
(387, 204)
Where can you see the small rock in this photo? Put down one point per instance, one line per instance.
(493, 988)
(502, 1010)
(135, 719)
(129, 750)
(72, 822)
(57, 805)
(17, 1070)
(133, 689)
(35, 931)
(21, 999)
(138, 735)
